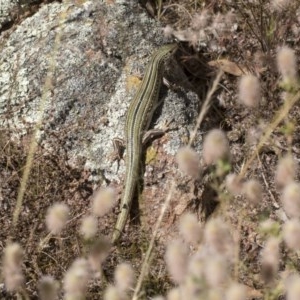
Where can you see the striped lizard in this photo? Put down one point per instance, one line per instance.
(138, 119)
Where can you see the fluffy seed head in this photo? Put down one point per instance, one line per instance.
(124, 277)
(188, 161)
(13, 278)
(98, 253)
(291, 199)
(230, 18)
(177, 260)
(13, 255)
(48, 288)
(103, 201)
(279, 5)
(253, 191)
(196, 265)
(190, 289)
(215, 270)
(218, 238)
(12, 267)
(168, 31)
(200, 21)
(190, 229)
(236, 292)
(270, 259)
(89, 226)
(112, 293)
(291, 234)
(215, 146)
(253, 135)
(286, 170)
(57, 217)
(174, 294)
(218, 23)
(76, 279)
(194, 37)
(293, 288)
(215, 294)
(234, 184)
(249, 91)
(287, 65)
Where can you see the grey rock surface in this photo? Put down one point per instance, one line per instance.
(72, 69)
(7, 9)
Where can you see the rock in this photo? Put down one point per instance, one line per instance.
(70, 72)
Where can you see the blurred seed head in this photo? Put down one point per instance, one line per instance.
(76, 279)
(291, 234)
(249, 91)
(13, 279)
(252, 191)
(124, 277)
(286, 170)
(89, 227)
(112, 293)
(193, 37)
(287, 65)
(253, 135)
(12, 267)
(293, 288)
(218, 238)
(190, 228)
(291, 199)
(48, 288)
(192, 287)
(215, 294)
(174, 294)
(98, 252)
(188, 161)
(230, 18)
(270, 259)
(103, 201)
(234, 184)
(215, 147)
(57, 217)
(215, 270)
(196, 264)
(218, 23)
(168, 31)
(200, 21)
(13, 255)
(236, 291)
(177, 260)
(279, 5)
